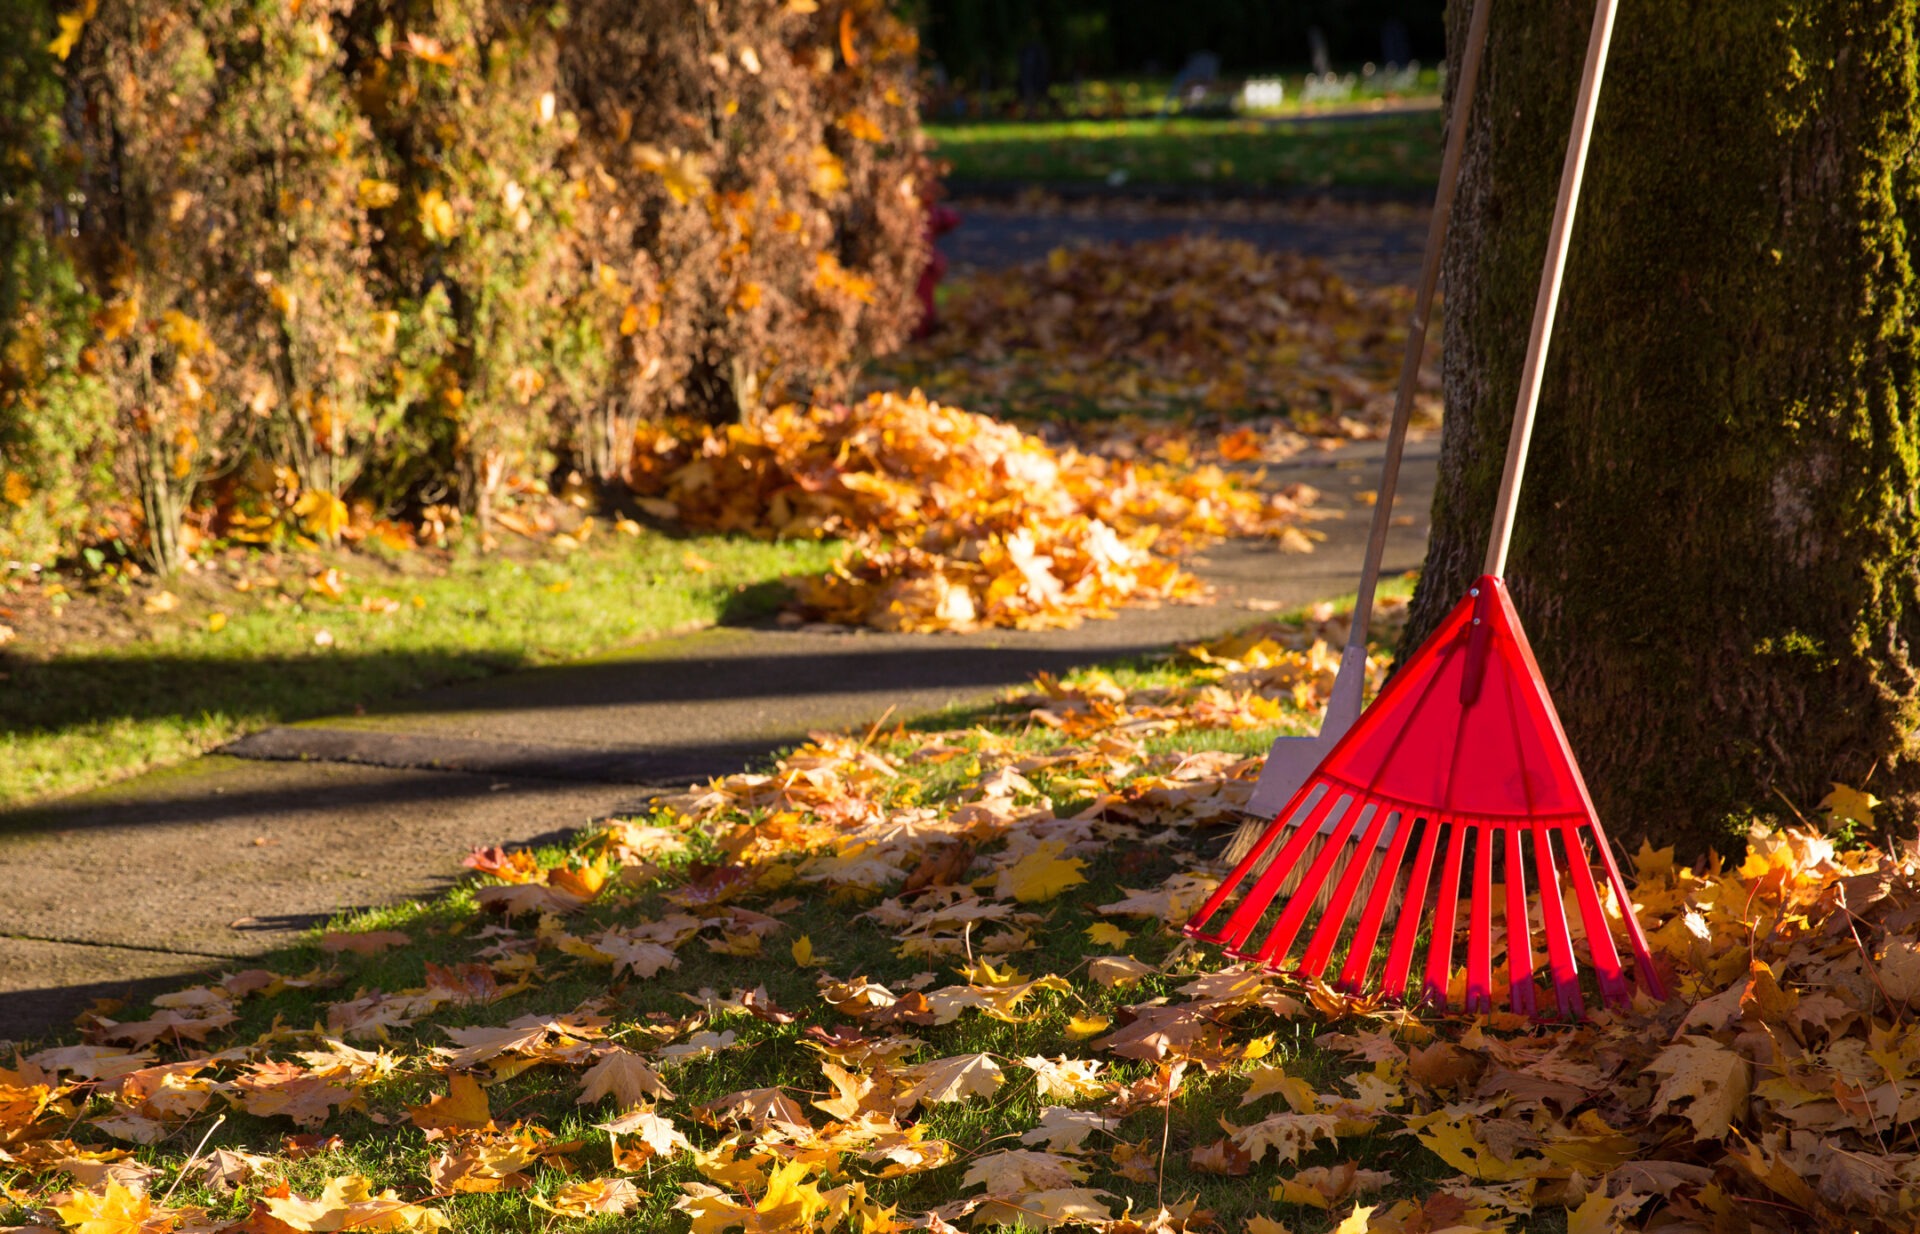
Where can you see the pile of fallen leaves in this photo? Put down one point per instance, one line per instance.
(957, 520)
(1194, 322)
(948, 1054)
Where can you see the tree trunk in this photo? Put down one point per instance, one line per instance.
(1717, 554)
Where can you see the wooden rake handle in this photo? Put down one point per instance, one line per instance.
(1548, 302)
(1464, 90)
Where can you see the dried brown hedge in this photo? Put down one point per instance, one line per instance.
(269, 268)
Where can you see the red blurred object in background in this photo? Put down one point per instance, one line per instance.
(940, 221)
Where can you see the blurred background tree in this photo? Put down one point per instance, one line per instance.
(980, 41)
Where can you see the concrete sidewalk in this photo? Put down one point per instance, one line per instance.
(201, 867)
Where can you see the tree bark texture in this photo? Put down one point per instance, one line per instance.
(1717, 554)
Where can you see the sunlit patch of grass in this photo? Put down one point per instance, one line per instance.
(1400, 152)
(86, 711)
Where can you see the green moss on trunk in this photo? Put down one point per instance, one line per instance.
(1718, 548)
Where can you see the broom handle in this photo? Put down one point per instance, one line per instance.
(1548, 302)
(1463, 93)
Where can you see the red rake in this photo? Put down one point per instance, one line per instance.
(1461, 762)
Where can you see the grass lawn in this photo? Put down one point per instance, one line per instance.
(935, 975)
(107, 680)
(795, 917)
(1390, 152)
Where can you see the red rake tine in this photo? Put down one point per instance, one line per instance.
(1353, 974)
(1606, 959)
(1273, 952)
(1320, 946)
(1296, 810)
(1480, 923)
(1393, 981)
(1247, 916)
(1560, 962)
(1636, 937)
(1446, 914)
(1519, 935)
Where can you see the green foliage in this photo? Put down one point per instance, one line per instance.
(51, 411)
(265, 264)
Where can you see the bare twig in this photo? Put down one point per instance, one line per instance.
(191, 1158)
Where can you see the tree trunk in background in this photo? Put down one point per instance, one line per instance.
(1717, 554)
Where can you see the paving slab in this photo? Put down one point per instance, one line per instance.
(46, 984)
(213, 864)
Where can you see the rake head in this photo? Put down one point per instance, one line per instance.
(1459, 777)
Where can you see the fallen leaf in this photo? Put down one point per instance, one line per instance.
(462, 1108)
(624, 1076)
(593, 1197)
(1042, 874)
(950, 1079)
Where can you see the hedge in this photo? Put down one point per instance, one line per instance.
(272, 267)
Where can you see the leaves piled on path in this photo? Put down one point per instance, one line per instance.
(1190, 322)
(967, 1063)
(958, 520)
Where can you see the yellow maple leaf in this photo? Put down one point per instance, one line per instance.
(1042, 874)
(1849, 806)
(1601, 1214)
(71, 24)
(1066, 1079)
(951, 1079)
(1324, 1186)
(118, 318)
(1296, 1092)
(1265, 1225)
(592, 1197)
(1713, 1081)
(680, 171)
(829, 175)
(790, 1201)
(1108, 934)
(348, 1203)
(117, 1210)
(862, 128)
(329, 583)
(1079, 1028)
(1357, 1221)
(464, 1106)
(321, 514)
(803, 953)
(1454, 1142)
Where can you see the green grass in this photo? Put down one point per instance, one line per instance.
(382, 1144)
(1390, 152)
(1110, 98)
(122, 690)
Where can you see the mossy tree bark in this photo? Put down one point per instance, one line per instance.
(1717, 554)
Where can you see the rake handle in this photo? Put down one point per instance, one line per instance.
(1548, 302)
(1464, 90)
